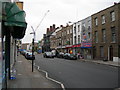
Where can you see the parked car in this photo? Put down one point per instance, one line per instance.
(39, 51)
(70, 56)
(23, 52)
(54, 53)
(48, 55)
(60, 55)
(29, 56)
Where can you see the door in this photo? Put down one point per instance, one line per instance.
(111, 53)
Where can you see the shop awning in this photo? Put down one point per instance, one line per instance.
(15, 18)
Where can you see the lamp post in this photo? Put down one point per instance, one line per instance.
(34, 36)
(33, 46)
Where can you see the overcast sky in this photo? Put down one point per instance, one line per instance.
(60, 13)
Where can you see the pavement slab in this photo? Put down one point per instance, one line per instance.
(25, 78)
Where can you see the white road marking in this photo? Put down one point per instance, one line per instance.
(46, 75)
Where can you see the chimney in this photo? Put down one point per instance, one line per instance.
(61, 25)
(53, 26)
(47, 30)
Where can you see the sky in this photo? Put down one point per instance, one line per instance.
(60, 13)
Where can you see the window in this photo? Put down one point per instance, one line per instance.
(112, 15)
(68, 31)
(74, 39)
(101, 51)
(62, 34)
(103, 19)
(75, 30)
(113, 34)
(62, 42)
(78, 39)
(89, 22)
(96, 21)
(70, 41)
(89, 28)
(103, 35)
(78, 28)
(89, 35)
(96, 36)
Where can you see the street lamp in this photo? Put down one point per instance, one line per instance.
(34, 36)
(33, 46)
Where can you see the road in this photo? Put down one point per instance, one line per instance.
(78, 74)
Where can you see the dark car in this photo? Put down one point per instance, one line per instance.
(70, 56)
(60, 55)
(29, 56)
(48, 55)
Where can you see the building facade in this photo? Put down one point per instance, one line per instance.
(46, 38)
(106, 33)
(76, 37)
(86, 38)
(67, 39)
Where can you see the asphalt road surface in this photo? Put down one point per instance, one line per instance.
(79, 74)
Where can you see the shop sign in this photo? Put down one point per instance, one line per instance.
(69, 46)
(86, 44)
(77, 45)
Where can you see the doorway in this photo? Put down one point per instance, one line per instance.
(111, 53)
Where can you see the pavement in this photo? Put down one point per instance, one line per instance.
(25, 78)
(110, 63)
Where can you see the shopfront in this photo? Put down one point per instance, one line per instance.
(76, 48)
(86, 50)
(12, 26)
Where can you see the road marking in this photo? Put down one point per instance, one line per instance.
(46, 75)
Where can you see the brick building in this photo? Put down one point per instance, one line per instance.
(106, 33)
(46, 38)
(67, 38)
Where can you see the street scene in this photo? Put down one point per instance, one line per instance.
(58, 45)
(79, 74)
